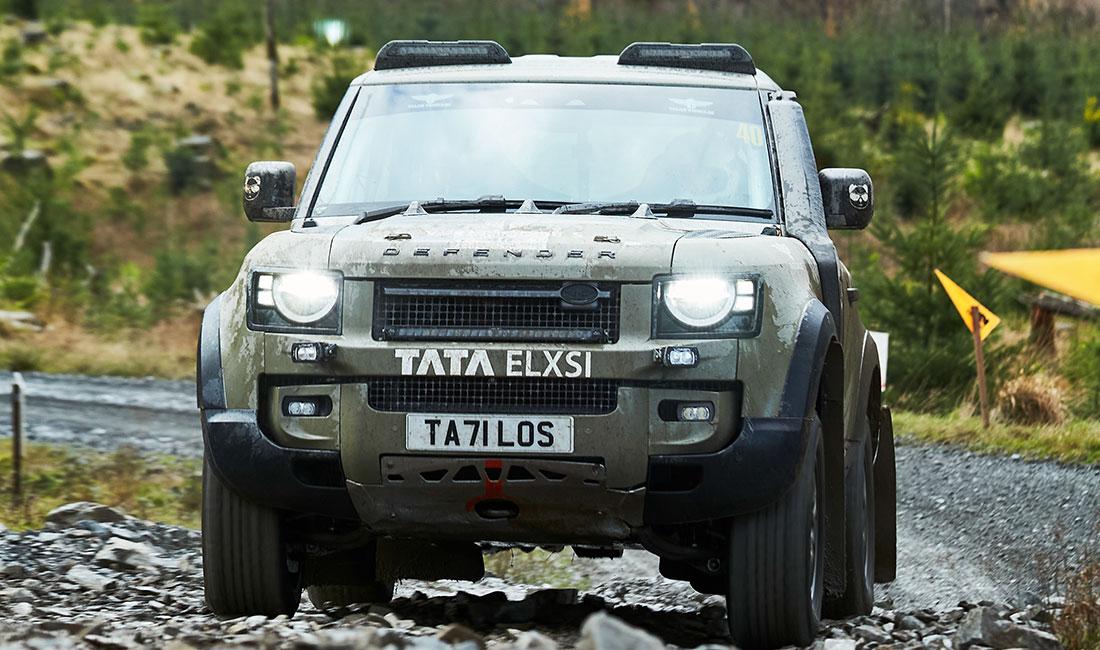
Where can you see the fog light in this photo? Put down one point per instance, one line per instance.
(696, 412)
(301, 408)
(312, 352)
(679, 357)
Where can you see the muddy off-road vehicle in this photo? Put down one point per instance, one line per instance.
(543, 301)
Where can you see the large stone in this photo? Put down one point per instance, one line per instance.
(21, 609)
(1018, 636)
(983, 627)
(602, 631)
(872, 633)
(18, 595)
(33, 34)
(839, 644)
(85, 577)
(69, 514)
(455, 634)
(532, 640)
(125, 555)
(13, 571)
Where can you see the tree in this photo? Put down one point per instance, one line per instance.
(930, 352)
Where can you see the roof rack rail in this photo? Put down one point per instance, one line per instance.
(721, 57)
(421, 54)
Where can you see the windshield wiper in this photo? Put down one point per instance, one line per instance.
(492, 202)
(677, 208)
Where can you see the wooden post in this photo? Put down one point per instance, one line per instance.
(979, 355)
(1042, 329)
(272, 54)
(17, 438)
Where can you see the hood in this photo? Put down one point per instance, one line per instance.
(515, 246)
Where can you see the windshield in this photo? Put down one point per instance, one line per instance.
(550, 142)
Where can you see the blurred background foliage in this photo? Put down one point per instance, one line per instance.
(978, 120)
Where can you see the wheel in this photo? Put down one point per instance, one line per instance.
(859, 536)
(245, 567)
(329, 596)
(777, 564)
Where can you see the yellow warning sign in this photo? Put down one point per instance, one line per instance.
(964, 302)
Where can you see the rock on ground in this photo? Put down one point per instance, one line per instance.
(96, 578)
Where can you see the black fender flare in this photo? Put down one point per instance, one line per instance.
(817, 373)
(816, 333)
(209, 383)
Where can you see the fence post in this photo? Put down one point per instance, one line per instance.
(17, 438)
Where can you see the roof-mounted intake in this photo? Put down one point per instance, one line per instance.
(422, 54)
(720, 57)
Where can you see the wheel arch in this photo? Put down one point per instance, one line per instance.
(816, 382)
(209, 383)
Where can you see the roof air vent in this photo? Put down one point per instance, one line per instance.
(421, 54)
(720, 57)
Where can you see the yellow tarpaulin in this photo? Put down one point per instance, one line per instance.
(1074, 272)
(963, 302)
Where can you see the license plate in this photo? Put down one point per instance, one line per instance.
(496, 434)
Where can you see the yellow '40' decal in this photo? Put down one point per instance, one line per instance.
(751, 133)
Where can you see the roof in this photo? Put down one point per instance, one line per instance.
(602, 69)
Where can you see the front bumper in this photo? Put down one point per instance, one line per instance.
(563, 500)
(300, 480)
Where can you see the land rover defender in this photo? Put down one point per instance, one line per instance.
(548, 301)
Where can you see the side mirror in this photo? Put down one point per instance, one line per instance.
(849, 198)
(269, 191)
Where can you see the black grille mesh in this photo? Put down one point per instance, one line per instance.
(502, 312)
(493, 395)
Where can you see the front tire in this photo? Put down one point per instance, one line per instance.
(245, 567)
(777, 563)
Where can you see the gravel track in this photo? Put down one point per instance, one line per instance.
(971, 527)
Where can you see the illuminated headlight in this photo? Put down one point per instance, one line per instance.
(707, 305)
(296, 301)
(304, 297)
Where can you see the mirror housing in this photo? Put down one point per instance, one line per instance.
(849, 198)
(268, 193)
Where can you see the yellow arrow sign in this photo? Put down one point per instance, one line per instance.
(964, 301)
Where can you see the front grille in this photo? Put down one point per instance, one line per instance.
(570, 312)
(493, 395)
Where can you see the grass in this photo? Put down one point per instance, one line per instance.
(165, 350)
(1075, 441)
(160, 488)
(537, 567)
(1078, 624)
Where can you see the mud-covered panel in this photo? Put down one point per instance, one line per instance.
(488, 246)
(789, 280)
(243, 349)
(515, 499)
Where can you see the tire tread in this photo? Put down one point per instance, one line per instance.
(244, 555)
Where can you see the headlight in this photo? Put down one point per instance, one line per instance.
(295, 301)
(706, 306)
(304, 297)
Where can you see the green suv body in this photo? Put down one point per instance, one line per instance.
(550, 301)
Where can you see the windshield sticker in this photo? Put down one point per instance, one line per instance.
(431, 101)
(694, 106)
(751, 133)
